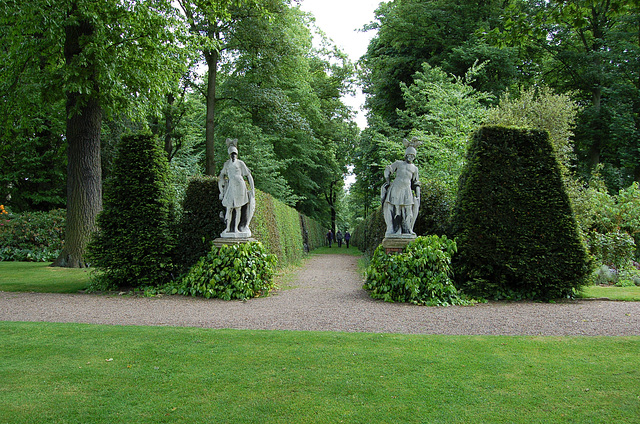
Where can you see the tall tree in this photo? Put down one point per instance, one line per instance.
(101, 58)
(439, 32)
(588, 47)
(211, 24)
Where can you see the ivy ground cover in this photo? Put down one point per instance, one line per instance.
(73, 373)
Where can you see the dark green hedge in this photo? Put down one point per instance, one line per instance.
(200, 223)
(133, 244)
(516, 234)
(278, 226)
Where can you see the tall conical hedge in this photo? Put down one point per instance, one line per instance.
(133, 244)
(517, 237)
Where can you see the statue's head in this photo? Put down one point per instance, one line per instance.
(232, 147)
(411, 152)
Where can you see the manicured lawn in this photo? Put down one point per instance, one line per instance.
(76, 373)
(40, 277)
(612, 292)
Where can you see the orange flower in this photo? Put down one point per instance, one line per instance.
(3, 210)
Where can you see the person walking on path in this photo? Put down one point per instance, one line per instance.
(330, 237)
(339, 238)
(347, 237)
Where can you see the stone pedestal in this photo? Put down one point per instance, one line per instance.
(221, 241)
(396, 244)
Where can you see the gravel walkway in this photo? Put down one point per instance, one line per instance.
(327, 296)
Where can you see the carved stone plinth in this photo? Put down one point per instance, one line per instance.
(221, 241)
(397, 244)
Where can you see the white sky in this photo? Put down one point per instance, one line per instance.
(341, 20)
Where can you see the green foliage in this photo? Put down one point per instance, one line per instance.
(31, 236)
(133, 244)
(420, 275)
(239, 271)
(609, 223)
(516, 233)
(542, 109)
(278, 226)
(369, 233)
(614, 248)
(443, 110)
(200, 222)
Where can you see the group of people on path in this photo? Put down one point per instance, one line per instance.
(338, 238)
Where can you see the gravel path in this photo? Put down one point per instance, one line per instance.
(327, 296)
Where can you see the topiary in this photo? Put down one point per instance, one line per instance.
(133, 243)
(420, 275)
(200, 223)
(516, 234)
(238, 271)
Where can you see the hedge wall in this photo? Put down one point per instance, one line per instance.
(516, 233)
(278, 226)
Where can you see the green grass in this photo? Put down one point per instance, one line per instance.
(78, 373)
(40, 277)
(611, 292)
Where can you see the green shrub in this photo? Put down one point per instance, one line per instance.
(420, 275)
(133, 243)
(239, 271)
(200, 222)
(516, 234)
(615, 248)
(32, 236)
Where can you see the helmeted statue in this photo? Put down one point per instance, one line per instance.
(239, 202)
(401, 197)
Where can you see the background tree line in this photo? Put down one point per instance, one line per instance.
(440, 68)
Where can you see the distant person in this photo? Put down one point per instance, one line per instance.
(330, 237)
(347, 237)
(339, 238)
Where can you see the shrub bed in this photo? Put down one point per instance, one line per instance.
(420, 275)
(31, 236)
(240, 271)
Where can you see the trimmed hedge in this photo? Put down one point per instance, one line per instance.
(200, 222)
(516, 233)
(280, 228)
(133, 244)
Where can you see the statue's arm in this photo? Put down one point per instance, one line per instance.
(221, 181)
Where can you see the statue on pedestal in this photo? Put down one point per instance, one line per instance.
(401, 197)
(239, 202)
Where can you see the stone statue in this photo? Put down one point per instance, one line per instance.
(401, 198)
(239, 202)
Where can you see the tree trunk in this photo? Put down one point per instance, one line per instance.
(596, 145)
(84, 171)
(168, 126)
(212, 58)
